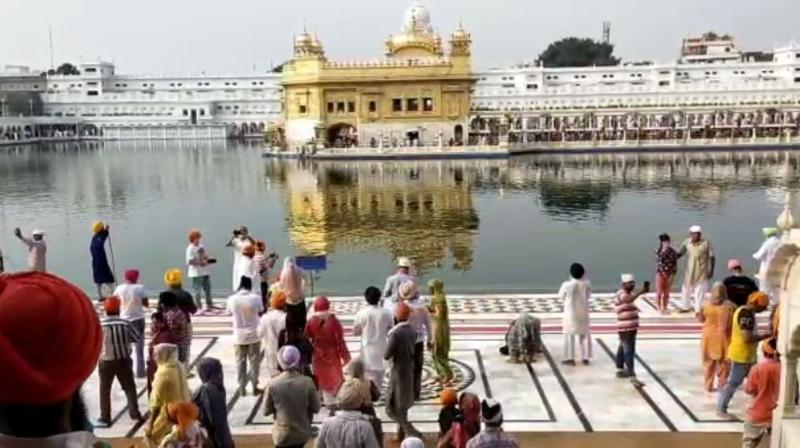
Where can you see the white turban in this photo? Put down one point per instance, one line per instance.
(412, 442)
(289, 357)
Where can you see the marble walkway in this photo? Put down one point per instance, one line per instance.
(542, 396)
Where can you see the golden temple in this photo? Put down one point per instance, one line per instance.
(417, 93)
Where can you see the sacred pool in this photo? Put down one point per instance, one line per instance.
(496, 226)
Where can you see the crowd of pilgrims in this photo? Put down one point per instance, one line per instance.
(305, 358)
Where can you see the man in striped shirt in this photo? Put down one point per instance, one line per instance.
(628, 326)
(115, 361)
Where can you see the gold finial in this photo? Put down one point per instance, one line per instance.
(786, 220)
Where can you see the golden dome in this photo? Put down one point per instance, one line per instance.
(427, 43)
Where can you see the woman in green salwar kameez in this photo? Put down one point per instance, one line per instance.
(440, 351)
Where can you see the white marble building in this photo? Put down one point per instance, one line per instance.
(730, 84)
(713, 86)
(102, 96)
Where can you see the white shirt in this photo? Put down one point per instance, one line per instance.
(765, 254)
(238, 246)
(37, 252)
(269, 327)
(131, 296)
(196, 254)
(373, 324)
(575, 294)
(244, 307)
(420, 318)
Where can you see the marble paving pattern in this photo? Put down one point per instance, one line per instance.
(542, 396)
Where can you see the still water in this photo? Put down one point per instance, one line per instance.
(490, 226)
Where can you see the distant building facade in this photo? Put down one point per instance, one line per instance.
(424, 92)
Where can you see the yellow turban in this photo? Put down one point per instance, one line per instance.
(759, 299)
(98, 226)
(173, 277)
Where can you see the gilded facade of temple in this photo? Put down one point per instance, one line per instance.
(419, 92)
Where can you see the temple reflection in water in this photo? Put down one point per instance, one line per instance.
(426, 209)
(421, 210)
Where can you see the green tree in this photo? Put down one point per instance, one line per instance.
(67, 69)
(578, 52)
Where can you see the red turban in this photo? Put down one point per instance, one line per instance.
(132, 275)
(402, 312)
(50, 338)
(322, 304)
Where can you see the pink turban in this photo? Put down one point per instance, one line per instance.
(132, 275)
(321, 304)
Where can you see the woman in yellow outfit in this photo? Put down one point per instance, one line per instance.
(716, 318)
(169, 386)
(440, 351)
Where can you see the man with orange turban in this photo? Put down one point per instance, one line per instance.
(115, 361)
(45, 357)
(269, 327)
(400, 353)
(198, 269)
(742, 349)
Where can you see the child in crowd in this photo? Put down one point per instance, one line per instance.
(186, 432)
(452, 433)
(763, 383)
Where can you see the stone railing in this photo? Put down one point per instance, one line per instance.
(389, 63)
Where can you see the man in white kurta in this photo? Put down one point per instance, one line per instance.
(764, 255)
(575, 294)
(239, 240)
(700, 261)
(269, 327)
(373, 324)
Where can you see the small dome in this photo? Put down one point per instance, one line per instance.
(460, 33)
(417, 18)
(303, 40)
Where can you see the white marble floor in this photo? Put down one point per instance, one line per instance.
(543, 396)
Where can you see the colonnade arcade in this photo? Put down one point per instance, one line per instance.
(521, 127)
(28, 131)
